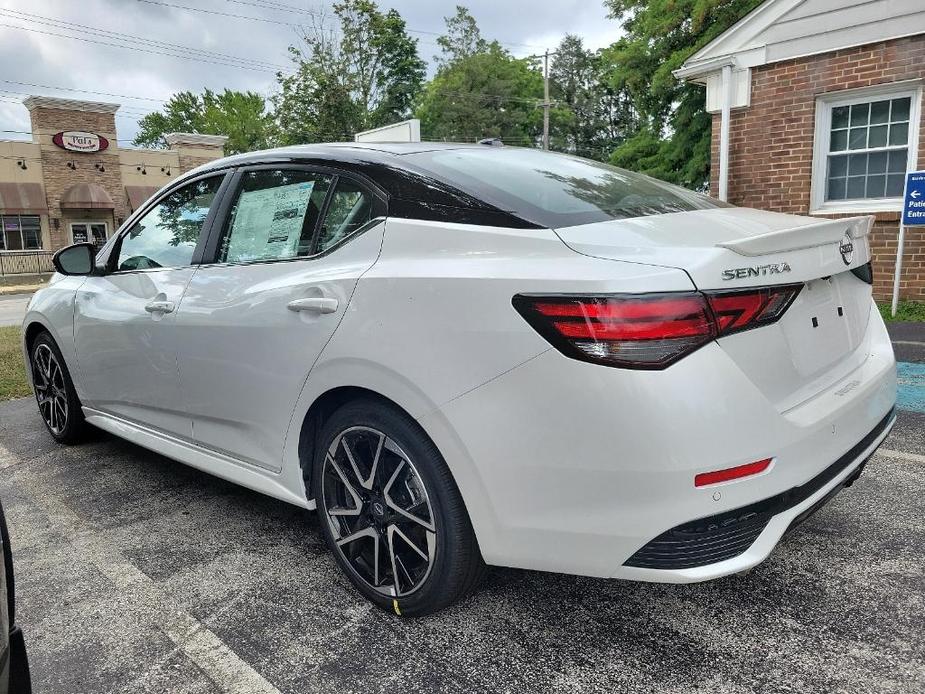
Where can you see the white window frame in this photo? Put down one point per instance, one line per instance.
(87, 223)
(824, 105)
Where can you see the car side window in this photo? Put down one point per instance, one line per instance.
(350, 208)
(167, 235)
(274, 216)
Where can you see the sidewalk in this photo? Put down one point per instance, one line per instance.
(908, 341)
(22, 284)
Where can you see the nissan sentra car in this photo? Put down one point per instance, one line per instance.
(464, 355)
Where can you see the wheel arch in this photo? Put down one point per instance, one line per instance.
(32, 331)
(322, 408)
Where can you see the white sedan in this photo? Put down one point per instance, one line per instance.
(462, 354)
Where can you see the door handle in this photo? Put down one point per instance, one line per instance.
(160, 307)
(315, 304)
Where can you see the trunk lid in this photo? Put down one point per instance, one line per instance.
(821, 337)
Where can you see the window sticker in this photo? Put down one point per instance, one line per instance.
(268, 223)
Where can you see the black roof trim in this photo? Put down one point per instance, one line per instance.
(413, 192)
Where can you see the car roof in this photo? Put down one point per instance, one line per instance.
(345, 152)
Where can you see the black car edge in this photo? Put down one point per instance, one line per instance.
(14, 664)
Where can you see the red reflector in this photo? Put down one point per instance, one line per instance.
(733, 473)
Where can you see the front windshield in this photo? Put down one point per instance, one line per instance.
(557, 190)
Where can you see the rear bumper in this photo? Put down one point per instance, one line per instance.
(571, 467)
(722, 543)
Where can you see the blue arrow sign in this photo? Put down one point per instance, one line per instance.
(914, 201)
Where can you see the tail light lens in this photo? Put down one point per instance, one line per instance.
(649, 331)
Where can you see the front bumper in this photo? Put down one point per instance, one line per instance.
(722, 538)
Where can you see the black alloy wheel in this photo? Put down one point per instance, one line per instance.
(390, 511)
(54, 391)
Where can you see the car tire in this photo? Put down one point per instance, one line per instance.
(404, 504)
(54, 391)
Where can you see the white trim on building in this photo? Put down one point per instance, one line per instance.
(404, 131)
(780, 30)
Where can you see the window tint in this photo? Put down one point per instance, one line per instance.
(557, 190)
(274, 216)
(349, 209)
(167, 235)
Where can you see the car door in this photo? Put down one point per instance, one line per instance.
(125, 318)
(286, 260)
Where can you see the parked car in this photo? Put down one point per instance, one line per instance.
(14, 664)
(463, 354)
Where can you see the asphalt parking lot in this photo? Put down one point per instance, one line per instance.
(138, 574)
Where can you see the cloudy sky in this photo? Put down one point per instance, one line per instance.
(145, 50)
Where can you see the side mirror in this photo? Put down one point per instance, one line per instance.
(78, 259)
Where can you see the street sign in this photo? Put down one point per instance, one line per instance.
(913, 215)
(914, 201)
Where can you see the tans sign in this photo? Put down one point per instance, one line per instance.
(76, 141)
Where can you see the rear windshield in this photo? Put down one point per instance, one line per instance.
(557, 190)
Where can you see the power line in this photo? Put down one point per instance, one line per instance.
(291, 8)
(125, 38)
(137, 49)
(217, 12)
(136, 113)
(82, 91)
(115, 45)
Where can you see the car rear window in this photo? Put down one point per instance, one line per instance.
(557, 190)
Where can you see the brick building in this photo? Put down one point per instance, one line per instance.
(73, 182)
(817, 109)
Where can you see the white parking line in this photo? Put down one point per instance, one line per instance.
(908, 342)
(220, 664)
(901, 455)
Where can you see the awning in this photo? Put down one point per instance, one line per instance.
(137, 195)
(22, 198)
(86, 196)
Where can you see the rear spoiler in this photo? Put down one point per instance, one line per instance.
(801, 237)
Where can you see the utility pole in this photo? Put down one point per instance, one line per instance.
(546, 103)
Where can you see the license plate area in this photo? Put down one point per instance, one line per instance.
(825, 323)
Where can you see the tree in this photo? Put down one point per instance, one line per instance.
(241, 116)
(366, 75)
(462, 37)
(598, 117)
(481, 90)
(673, 142)
(486, 94)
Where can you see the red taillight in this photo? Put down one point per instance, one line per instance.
(648, 331)
(705, 479)
(742, 310)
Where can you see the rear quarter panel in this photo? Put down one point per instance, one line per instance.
(433, 320)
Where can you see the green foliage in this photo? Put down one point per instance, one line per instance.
(13, 383)
(241, 116)
(366, 75)
(905, 311)
(462, 39)
(485, 94)
(660, 36)
(595, 118)
(481, 90)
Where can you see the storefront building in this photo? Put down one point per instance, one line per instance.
(73, 183)
(817, 110)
